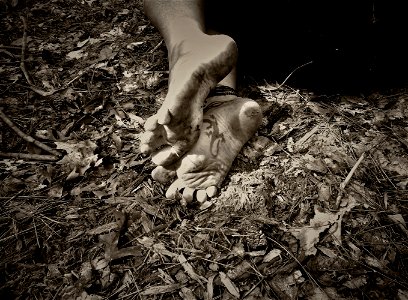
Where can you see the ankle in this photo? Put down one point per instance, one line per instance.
(182, 30)
(220, 94)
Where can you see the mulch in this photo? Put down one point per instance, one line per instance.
(315, 205)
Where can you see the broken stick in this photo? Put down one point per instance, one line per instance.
(29, 156)
(23, 66)
(346, 181)
(26, 137)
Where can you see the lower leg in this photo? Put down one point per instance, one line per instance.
(176, 21)
(198, 62)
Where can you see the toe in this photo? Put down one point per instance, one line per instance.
(170, 154)
(211, 191)
(174, 188)
(163, 175)
(163, 116)
(201, 196)
(192, 163)
(151, 123)
(188, 194)
(150, 141)
(165, 156)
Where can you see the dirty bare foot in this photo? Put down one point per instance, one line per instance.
(227, 126)
(196, 66)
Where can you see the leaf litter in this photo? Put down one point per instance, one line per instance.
(301, 215)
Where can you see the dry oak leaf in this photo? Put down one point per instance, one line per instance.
(79, 157)
(309, 236)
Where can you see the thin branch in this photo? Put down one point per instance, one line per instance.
(23, 66)
(290, 74)
(8, 53)
(298, 262)
(26, 137)
(26, 156)
(348, 178)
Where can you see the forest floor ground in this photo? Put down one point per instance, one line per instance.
(315, 205)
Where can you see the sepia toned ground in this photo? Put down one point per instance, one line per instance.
(315, 205)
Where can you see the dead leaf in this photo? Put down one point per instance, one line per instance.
(402, 295)
(318, 294)
(81, 44)
(189, 269)
(356, 283)
(99, 263)
(238, 249)
(79, 157)
(103, 228)
(161, 289)
(56, 191)
(239, 270)
(85, 273)
(328, 252)
(187, 294)
(231, 287)
(135, 251)
(309, 236)
(272, 255)
(398, 219)
(160, 248)
(77, 54)
(166, 277)
(210, 287)
(374, 262)
(19, 42)
(106, 54)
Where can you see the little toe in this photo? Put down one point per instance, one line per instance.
(150, 141)
(163, 175)
(169, 154)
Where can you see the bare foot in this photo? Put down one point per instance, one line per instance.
(227, 126)
(196, 66)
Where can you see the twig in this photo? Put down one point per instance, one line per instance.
(26, 137)
(346, 181)
(290, 74)
(300, 142)
(298, 262)
(156, 47)
(36, 234)
(8, 53)
(10, 47)
(29, 156)
(23, 66)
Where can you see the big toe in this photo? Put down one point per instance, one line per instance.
(170, 153)
(250, 117)
(151, 140)
(163, 175)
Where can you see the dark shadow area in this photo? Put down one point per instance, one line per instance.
(353, 45)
